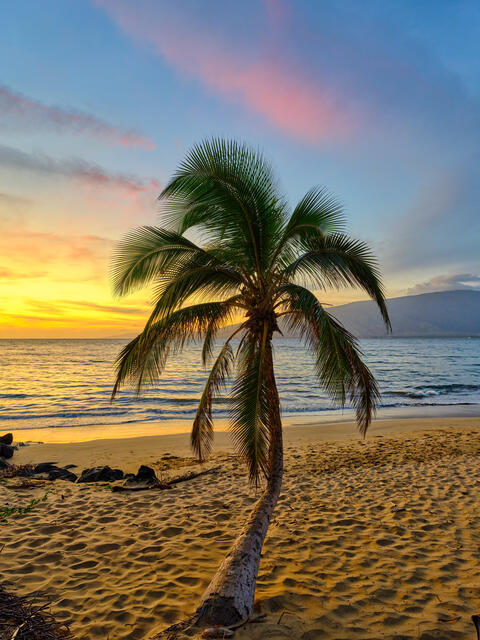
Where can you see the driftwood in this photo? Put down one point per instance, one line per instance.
(175, 631)
(28, 618)
(217, 632)
(260, 618)
(165, 485)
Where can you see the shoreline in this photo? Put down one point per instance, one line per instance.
(128, 452)
(112, 431)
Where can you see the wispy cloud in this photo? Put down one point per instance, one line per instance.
(15, 107)
(442, 225)
(341, 72)
(13, 275)
(65, 307)
(454, 282)
(12, 200)
(29, 253)
(267, 84)
(34, 317)
(73, 168)
(57, 322)
(119, 309)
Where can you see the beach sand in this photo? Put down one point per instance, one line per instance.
(371, 539)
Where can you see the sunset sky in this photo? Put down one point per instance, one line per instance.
(378, 100)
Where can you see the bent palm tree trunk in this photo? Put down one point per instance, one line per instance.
(229, 597)
(256, 255)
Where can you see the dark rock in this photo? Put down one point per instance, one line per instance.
(70, 466)
(6, 451)
(3, 464)
(25, 472)
(146, 474)
(44, 467)
(100, 474)
(6, 439)
(62, 474)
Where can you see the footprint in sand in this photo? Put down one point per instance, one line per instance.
(105, 548)
(76, 546)
(86, 564)
(384, 542)
(170, 532)
(106, 519)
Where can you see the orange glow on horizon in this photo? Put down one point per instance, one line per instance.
(44, 308)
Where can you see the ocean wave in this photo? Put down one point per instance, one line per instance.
(406, 394)
(166, 400)
(74, 388)
(451, 388)
(10, 396)
(63, 414)
(385, 405)
(425, 391)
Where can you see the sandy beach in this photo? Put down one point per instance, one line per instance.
(371, 539)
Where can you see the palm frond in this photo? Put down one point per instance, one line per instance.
(144, 358)
(146, 252)
(249, 406)
(227, 190)
(317, 213)
(202, 430)
(140, 359)
(338, 359)
(334, 261)
(194, 282)
(231, 304)
(318, 210)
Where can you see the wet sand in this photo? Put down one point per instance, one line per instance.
(371, 539)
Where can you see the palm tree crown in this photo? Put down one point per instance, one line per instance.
(255, 258)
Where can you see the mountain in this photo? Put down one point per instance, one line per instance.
(441, 314)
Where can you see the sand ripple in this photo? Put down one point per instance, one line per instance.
(370, 540)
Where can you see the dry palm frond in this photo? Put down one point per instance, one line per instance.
(29, 618)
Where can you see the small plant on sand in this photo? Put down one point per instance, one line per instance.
(255, 259)
(8, 512)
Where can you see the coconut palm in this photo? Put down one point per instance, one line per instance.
(253, 259)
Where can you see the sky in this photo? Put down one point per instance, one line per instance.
(99, 100)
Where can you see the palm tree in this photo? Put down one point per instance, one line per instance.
(255, 259)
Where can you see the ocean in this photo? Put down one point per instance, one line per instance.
(54, 384)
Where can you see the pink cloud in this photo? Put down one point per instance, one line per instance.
(93, 175)
(44, 248)
(18, 106)
(74, 168)
(45, 257)
(268, 85)
(278, 12)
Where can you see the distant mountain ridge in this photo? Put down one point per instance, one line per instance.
(441, 314)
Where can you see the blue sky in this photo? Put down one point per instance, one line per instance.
(378, 101)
